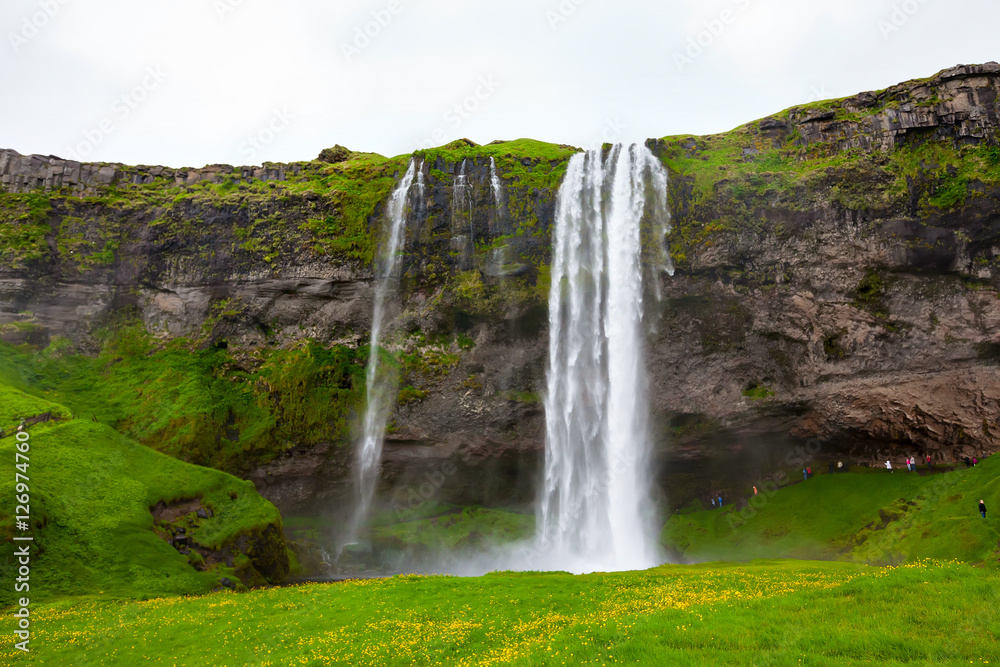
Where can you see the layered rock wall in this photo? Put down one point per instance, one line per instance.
(851, 304)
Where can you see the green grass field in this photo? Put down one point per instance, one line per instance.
(761, 613)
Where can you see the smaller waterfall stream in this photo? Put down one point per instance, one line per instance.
(461, 218)
(497, 188)
(380, 380)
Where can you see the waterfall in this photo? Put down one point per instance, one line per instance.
(421, 187)
(497, 187)
(497, 260)
(596, 511)
(380, 382)
(461, 208)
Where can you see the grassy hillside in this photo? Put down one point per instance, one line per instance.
(870, 517)
(764, 613)
(200, 404)
(91, 493)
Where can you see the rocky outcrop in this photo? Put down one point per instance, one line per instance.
(958, 104)
(258, 557)
(48, 173)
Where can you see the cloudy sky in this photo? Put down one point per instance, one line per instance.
(194, 82)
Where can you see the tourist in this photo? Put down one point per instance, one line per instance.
(974, 460)
(888, 465)
(830, 467)
(840, 466)
(713, 502)
(929, 464)
(966, 461)
(982, 508)
(720, 502)
(755, 490)
(809, 472)
(805, 475)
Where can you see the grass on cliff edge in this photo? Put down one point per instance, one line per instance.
(90, 492)
(871, 517)
(763, 613)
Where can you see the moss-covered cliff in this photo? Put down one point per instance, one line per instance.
(836, 277)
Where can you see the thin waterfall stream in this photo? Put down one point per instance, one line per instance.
(380, 379)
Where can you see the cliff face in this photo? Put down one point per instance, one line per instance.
(854, 274)
(837, 278)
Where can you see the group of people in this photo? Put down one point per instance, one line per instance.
(911, 463)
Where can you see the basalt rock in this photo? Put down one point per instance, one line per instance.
(957, 104)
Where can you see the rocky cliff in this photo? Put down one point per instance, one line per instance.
(837, 276)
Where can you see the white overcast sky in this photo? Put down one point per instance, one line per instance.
(194, 82)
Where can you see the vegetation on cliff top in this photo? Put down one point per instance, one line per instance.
(326, 208)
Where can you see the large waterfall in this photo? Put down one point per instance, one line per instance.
(380, 380)
(596, 511)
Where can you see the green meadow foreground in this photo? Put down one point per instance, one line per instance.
(761, 613)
